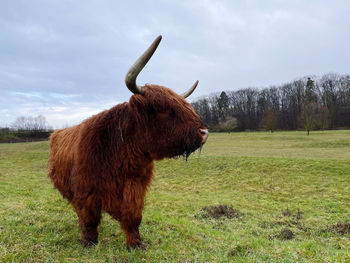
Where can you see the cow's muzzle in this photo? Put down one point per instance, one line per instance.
(205, 134)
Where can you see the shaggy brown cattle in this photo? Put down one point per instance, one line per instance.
(106, 162)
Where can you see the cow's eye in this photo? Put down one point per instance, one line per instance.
(172, 113)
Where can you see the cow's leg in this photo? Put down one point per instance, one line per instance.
(131, 213)
(130, 220)
(130, 225)
(89, 213)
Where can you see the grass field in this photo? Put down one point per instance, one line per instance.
(249, 197)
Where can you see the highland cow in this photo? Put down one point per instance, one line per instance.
(106, 162)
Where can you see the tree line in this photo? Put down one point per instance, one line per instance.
(25, 129)
(309, 103)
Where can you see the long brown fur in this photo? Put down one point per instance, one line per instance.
(106, 162)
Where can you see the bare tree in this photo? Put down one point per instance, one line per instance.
(322, 117)
(269, 120)
(308, 116)
(38, 123)
(230, 124)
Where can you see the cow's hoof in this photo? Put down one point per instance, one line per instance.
(88, 243)
(136, 245)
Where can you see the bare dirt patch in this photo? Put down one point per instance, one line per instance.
(296, 215)
(289, 219)
(285, 234)
(219, 212)
(287, 213)
(340, 228)
(240, 250)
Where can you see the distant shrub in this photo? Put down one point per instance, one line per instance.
(11, 136)
(229, 125)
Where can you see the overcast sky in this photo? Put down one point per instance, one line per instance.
(67, 59)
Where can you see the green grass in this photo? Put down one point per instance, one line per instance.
(284, 180)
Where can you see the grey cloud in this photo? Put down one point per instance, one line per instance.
(58, 57)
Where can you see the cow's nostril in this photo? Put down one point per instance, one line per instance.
(204, 133)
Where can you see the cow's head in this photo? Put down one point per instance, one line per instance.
(170, 127)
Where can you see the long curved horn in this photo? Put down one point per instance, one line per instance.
(130, 78)
(189, 92)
